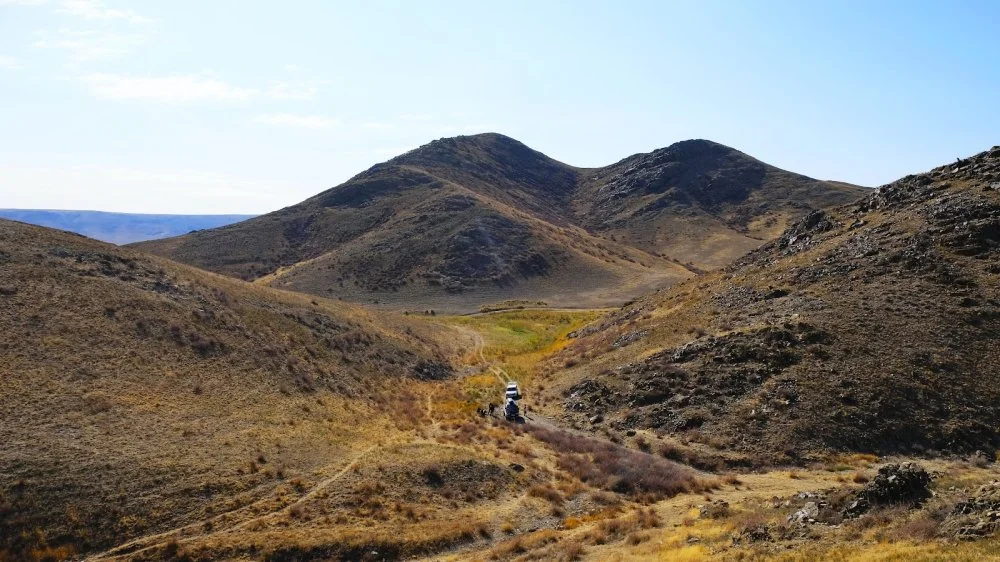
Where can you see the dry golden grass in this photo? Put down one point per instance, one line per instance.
(149, 396)
(270, 442)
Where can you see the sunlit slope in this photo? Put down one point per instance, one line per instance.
(138, 394)
(467, 221)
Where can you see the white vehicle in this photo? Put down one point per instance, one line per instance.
(513, 392)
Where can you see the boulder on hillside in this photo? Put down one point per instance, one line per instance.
(895, 484)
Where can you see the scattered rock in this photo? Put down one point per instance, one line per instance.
(806, 515)
(977, 517)
(905, 483)
(754, 534)
(715, 510)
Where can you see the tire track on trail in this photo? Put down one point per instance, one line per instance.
(500, 374)
(123, 550)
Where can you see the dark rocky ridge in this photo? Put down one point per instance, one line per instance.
(871, 326)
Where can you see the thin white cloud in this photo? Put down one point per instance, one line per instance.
(22, 2)
(97, 10)
(10, 62)
(169, 89)
(293, 91)
(377, 126)
(296, 120)
(88, 45)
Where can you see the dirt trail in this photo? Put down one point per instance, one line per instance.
(195, 531)
(142, 544)
(500, 374)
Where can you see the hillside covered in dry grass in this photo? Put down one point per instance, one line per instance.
(466, 221)
(870, 327)
(139, 394)
(156, 412)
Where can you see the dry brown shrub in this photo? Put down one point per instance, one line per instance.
(924, 527)
(570, 551)
(637, 538)
(546, 492)
(616, 468)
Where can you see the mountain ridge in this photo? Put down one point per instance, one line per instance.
(461, 222)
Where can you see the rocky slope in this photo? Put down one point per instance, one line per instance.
(466, 221)
(699, 201)
(870, 327)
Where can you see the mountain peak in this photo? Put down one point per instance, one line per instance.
(454, 150)
(694, 149)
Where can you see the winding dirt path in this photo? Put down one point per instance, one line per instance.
(195, 531)
(148, 542)
(500, 374)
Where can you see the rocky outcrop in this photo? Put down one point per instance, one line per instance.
(894, 484)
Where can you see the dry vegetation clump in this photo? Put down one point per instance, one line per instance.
(523, 544)
(547, 493)
(328, 544)
(619, 469)
(612, 530)
(711, 461)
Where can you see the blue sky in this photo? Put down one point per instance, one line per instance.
(246, 107)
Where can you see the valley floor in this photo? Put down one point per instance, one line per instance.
(423, 475)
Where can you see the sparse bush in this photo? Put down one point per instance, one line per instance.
(570, 551)
(432, 474)
(618, 469)
(546, 492)
(637, 538)
(672, 452)
(924, 527)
